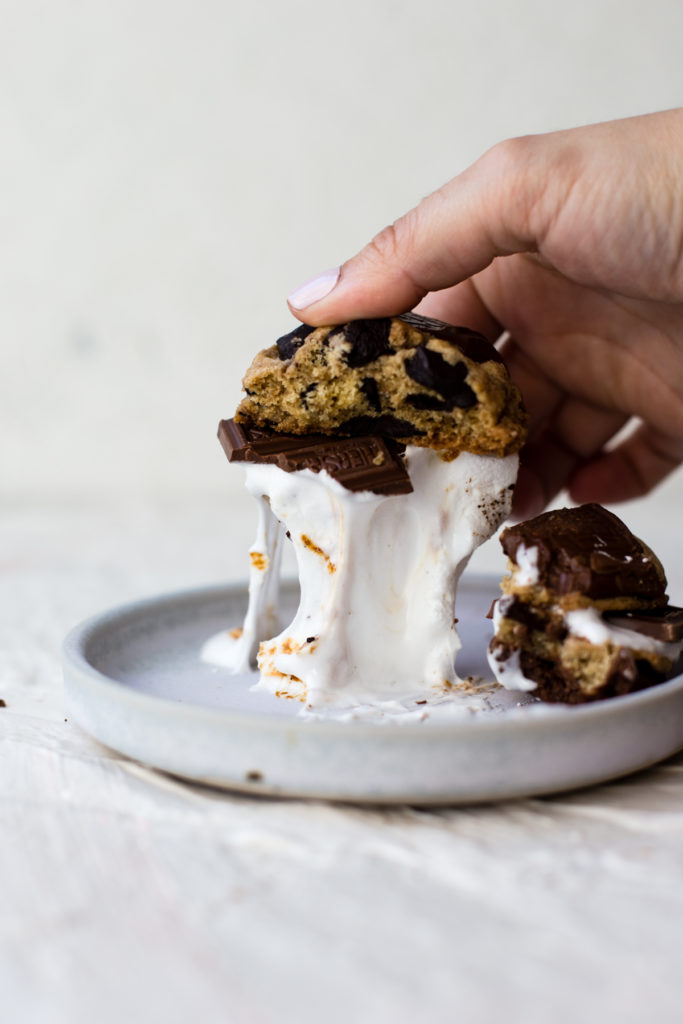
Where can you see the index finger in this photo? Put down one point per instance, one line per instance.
(452, 234)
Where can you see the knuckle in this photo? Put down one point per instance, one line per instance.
(511, 158)
(384, 246)
(395, 242)
(533, 176)
(394, 254)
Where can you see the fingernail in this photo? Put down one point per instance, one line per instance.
(314, 290)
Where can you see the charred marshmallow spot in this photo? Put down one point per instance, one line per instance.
(312, 546)
(259, 560)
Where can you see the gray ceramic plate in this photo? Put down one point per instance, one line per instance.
(135, 681)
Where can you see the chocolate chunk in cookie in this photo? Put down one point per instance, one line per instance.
(423, 401)
(288, 344)
(471, 343)
(367, 340)
(385, 426)
(431, 369)
(368, 386)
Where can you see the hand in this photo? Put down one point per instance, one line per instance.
(569, 246)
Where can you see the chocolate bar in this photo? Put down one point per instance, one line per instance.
(245, 442)
(660, 623)
(365, 463)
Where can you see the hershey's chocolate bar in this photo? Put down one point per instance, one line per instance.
(245, 442)
(660, 623)
(366, 463)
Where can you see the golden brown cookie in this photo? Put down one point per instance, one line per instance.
(420, 381)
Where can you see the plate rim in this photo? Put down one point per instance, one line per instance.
(542, 715)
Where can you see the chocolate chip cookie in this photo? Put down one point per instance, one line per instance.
(584, 613)
(417, 380)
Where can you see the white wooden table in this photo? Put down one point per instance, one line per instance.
(126, 896)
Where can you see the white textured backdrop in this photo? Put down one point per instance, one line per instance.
(169, 169)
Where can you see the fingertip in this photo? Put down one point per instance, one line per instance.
(354, 291)
(313, 290)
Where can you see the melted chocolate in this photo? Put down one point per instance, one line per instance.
(590, 550)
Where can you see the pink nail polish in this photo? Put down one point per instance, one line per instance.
(314, 290)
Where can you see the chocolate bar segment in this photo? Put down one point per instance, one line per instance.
(659, 623)
(589, 550)
(245, 442)
(367, 463)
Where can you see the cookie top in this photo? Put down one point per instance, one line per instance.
(414, 379)
(587, 550)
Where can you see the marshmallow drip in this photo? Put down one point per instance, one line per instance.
(378, 577)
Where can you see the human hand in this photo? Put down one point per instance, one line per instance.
(572, 243)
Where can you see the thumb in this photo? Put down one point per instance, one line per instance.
(451, 235)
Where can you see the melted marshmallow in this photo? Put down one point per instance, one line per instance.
(378, 577)
(526, 571)
(508, 671)
(588, 624)
(237, 649)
